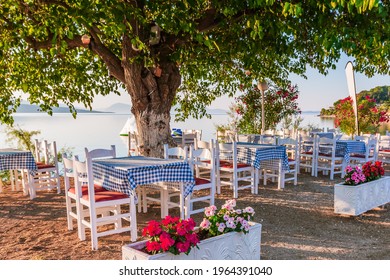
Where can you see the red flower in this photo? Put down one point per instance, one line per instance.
(166, 241)
(152, 229)
(172, 234)
(153, 246)
(183, 246)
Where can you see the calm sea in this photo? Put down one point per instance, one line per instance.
(102, 130)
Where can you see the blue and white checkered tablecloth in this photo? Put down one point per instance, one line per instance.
(262, 155)
(126, 173)
(348, 147)
(12, 159)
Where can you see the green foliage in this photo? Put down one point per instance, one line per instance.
(381, 95)
(279, 104)
(369, 116)
(213, 43)
(21, 138)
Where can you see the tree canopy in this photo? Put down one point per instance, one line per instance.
(187, 51)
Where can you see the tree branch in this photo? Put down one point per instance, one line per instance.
(112, 62)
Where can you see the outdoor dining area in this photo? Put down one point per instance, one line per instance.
(106, 193)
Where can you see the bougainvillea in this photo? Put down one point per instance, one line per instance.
(369, 115)
(278, 104)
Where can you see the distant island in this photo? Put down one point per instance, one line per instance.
(380, 94)
(116, 108)
(31, 108)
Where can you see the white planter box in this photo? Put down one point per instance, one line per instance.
(355, 200)
(229, 246)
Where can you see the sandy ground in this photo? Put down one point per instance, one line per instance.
(298, 223)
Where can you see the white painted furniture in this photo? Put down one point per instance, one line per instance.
(307, 153)
(370, 154)
(237, 175)
(120, 217)
(355, 200)
(204, 190)
(327, 160)
(292, 150)
(228, 246)
(47, 175)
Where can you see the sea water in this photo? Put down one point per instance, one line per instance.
(102, 130)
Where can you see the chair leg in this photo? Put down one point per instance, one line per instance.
(68, 216)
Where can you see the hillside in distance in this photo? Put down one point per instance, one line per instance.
(25, 107)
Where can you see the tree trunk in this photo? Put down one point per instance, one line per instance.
(152, 95)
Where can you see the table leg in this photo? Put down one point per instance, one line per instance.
(281, 175)
(133, 220)
(31, 185)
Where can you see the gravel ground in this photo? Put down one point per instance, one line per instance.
(298, 224)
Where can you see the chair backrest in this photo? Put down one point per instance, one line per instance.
(188, 139)
(196, 156)
(175, 152)
(245, 138)
(291, 144)
(101, 153)
(384, 142)
(372, 148)
(68, 170)
(81, 176)
(202, 145)
(85, 170)
(132, 144)
(326, 146)
(224, 151)
(268, 139)
(46, 152)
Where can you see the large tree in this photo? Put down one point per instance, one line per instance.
(188, 51)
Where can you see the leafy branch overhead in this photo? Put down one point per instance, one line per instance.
(188, 51)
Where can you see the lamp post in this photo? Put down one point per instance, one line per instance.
(262, 86)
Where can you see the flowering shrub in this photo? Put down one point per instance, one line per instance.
(369, 172)
(225, 220)
(279, 103)
(373, 170)
(354, 176)
(370, 117)
(171, 234)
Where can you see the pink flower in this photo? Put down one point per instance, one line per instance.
(249, 210)
(221, 227)
(205, 223)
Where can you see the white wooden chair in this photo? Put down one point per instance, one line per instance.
(236, 175)
(70, 191)
(327, 160)
(47, 175)
(162, 193)
(95, 201)
(371, 153)
(205, 187)
(292, 150)
(132, 145)
(383, 148)
(307, 153)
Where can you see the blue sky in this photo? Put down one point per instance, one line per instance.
(316, 92)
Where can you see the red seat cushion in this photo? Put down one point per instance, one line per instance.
(44, 166)
(386, 151)
(201, 181)
(106, 196)
(84, 189)
(229, 164)
(307, 153)
(358, 155)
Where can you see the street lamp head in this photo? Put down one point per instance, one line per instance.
(262, 86)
